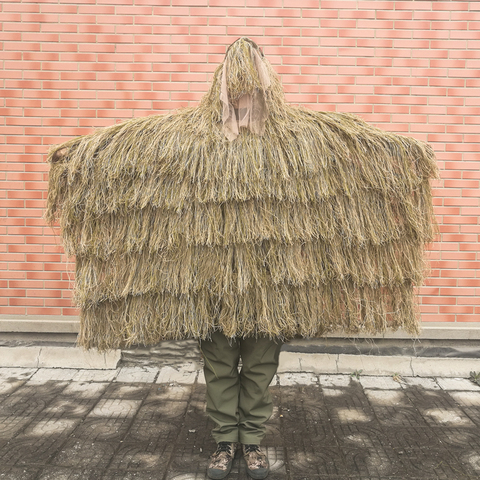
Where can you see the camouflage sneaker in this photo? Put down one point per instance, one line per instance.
(257, 461)
(221, 461)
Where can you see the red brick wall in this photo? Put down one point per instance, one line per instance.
(412, 67)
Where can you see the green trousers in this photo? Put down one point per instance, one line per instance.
(239, 402)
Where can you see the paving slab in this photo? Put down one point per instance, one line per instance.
(425, 382)
(179, 374)
(386, 398)
(379, 382)
(462, 384)
(144, 422)
(303, 378)
(44, 375)
(19, 473)
(17, 373)
(335, 380)
(137, 374)
(7, 387)
(85, 375)
(59, 473)
(467, 399)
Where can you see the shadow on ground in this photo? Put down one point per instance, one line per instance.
(335, 429)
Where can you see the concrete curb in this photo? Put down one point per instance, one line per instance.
(62, 357)
(185, 375)
(324, 363)
(57, 357)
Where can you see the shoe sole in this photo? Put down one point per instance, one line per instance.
(258, 476)
(220, 475)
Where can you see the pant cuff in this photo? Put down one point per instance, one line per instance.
(250, 440)
(225, 438)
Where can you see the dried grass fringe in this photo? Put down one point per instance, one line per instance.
(318, 225)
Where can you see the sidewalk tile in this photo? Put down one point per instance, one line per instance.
(383, 383)
(458, 384)
(182, 374)
(149, 422)
(95, 375)
(137, 375)
(201, 378)
(425, 382)
(43, 375)
(390, 398)
(466, 398)
(335, 380)
(59, 473)
(85, 389)
(115, 408)
(452, 417)
(16, 373)
(291, 378)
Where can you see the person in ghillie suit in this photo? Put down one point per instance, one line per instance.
(242, 222)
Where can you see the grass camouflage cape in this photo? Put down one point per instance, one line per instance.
(317, 224)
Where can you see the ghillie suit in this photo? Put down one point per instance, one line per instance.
(305, 223)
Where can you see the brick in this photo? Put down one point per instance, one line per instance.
(43, 311)
(23, 284)
(393, 90)
(469, 318)
(8, 310)
(16, 302)
(456, 6)
(469, 265)
(307, 4)
(457, 309)
(473, 300)
(375, 61)
(21, 27)
(413, 5)
(346, 4)
(44, 293)
(182, 2)
(61, 284)
(335, 23)
(13, 7)
(457, 291)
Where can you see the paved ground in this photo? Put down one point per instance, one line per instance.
(145, 422)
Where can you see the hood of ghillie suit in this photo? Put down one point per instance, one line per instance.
(244, 215)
